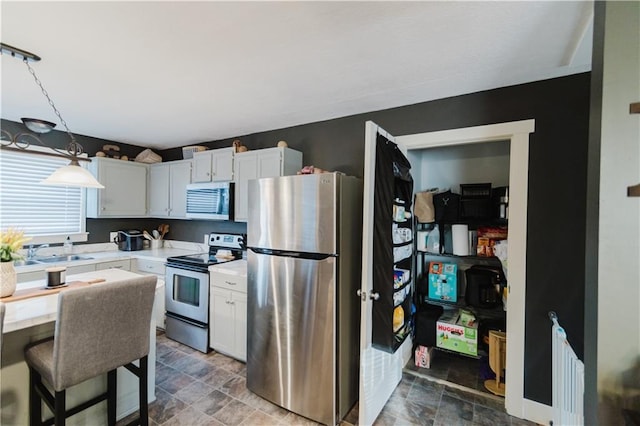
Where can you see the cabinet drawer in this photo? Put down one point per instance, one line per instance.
(148, 266)
(125, 265)
(71, 270)
(228, 281)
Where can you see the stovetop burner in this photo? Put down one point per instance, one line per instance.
(227, 247)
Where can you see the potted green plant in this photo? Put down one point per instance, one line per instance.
(11, 241)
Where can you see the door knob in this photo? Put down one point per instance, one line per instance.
(374, 296)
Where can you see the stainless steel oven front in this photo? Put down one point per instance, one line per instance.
(187, 306)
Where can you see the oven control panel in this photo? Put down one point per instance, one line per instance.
(230, 241)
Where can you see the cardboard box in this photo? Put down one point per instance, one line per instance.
(458, 331)
(423, 356)
(443, 281)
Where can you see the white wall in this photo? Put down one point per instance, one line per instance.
(450, 166)
(619, 239)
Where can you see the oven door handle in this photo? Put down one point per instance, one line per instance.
(188, 268)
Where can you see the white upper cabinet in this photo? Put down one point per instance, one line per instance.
(168, 189)
(125, 189)
(213, 165)
(261, 163)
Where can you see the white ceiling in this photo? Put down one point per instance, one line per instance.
(168, 74)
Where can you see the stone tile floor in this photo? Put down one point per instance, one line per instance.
(454, 368)
(193, 388)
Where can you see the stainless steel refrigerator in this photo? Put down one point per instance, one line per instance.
(304, 238)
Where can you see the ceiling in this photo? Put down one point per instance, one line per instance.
(168, 74)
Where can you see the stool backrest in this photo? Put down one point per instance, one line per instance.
(100, 328)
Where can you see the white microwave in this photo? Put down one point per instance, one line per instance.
(210, 200)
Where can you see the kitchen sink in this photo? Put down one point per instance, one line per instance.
(25, 262)
(65, 258)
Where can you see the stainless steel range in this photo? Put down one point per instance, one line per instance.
(187, 290)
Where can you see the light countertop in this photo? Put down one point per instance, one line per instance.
(108, 251)
(235, 267)
(43, 309)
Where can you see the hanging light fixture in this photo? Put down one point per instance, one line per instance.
(70, 175)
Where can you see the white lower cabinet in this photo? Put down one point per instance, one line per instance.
(153, 267)
(124, 264)
(41, 275)
(228, 315)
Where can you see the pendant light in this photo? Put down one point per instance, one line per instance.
(70, 175)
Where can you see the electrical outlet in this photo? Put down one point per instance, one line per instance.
(113, 236)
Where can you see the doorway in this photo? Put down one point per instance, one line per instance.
(517, 133)
(381, 372)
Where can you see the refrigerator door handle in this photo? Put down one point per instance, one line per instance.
(296, 254)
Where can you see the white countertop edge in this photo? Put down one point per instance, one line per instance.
(105, 252)
(234, 267)
(27, 313)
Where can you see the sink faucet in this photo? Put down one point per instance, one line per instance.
(31, 253)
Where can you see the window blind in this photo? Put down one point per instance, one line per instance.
(38, 210)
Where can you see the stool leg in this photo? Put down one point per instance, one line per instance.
(144, 399)
(35, 405)
(60, 408)
(112, 392)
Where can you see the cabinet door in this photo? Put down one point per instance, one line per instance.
(202, 166)
(222, 164)
(180, 177)
(124, 193)
(246, 168)
(240, 325)
(125, 265)
(71, 270)
(159, 190)
(269, 163)
(221, 315)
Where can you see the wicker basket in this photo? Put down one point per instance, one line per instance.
(149, 157)
(187, 151)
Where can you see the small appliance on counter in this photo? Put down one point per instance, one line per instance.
(129, 240)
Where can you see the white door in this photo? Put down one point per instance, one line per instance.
(380, 372)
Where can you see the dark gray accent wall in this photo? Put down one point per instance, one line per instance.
(557, 189)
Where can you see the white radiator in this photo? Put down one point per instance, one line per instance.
(568, 379)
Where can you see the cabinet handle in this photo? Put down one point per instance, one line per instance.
(208, 174)
(231, 302)
(230, 283)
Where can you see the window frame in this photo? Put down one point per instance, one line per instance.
(82, 235)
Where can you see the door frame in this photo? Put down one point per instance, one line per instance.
(517, 133)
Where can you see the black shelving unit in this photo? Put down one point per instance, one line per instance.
(484, 316)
